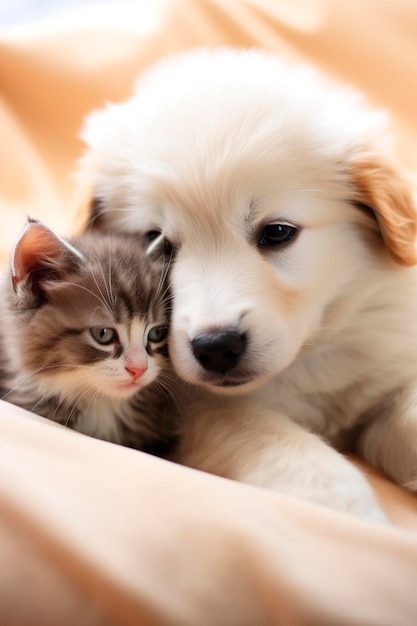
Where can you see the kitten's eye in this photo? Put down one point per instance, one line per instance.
(157, 334)
(104, 336)
(276, 234)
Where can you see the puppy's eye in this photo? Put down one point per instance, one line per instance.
(158, 246)
(151, 235)
(167, 249)
(276, 234)
(157, 334)
(104, 336)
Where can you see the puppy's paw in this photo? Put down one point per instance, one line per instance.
(318, 474)
(266, 449)
(347, 492)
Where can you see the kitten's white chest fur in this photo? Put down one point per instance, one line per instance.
(99, 418)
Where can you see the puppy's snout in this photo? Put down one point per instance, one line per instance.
(219, 351)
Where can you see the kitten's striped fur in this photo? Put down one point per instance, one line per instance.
(58, 291)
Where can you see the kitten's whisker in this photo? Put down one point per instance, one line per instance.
(62, 399)
(104, 301)
(93, 399)
(162, 383)
(101, 300)
(98, 308)
(43, 398)
(112, 295)
(163, 283)
(77, 402)
(160, 284)
(24, 380)
(109, 300)
(71, 392)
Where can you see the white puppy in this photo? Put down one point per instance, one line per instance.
(292, 236)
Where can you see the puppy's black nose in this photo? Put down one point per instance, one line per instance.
(219, 351)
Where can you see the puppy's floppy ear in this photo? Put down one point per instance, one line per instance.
(380, 187)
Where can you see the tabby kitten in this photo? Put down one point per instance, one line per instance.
(84, 334)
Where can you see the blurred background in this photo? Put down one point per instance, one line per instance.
(17, 11)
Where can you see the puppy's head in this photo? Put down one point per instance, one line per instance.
(268, 189)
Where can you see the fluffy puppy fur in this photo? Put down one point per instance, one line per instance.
(293, 238)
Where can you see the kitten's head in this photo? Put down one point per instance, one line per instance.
(90, 316)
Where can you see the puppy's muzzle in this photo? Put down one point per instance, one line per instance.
(219, 351)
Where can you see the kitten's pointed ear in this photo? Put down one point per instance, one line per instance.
(39, 254)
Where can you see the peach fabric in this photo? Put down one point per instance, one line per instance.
(95, 534)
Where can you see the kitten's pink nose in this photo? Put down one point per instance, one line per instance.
(136, 372)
